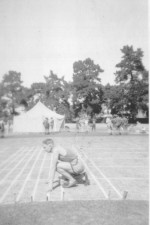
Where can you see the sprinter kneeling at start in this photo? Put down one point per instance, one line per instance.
(67, 163)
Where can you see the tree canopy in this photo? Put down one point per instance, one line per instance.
(86, 86)
(85, 93)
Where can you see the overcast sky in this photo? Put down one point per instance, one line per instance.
(37, 36)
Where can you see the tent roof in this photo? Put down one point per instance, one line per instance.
(41, 110)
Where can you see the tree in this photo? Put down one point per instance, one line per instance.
(131, 66)
(134, 79)
(86, 87)
(12, 88)
(114, 98)
(57, 93)
(35, 93)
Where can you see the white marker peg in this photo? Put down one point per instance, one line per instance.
(31, 198)
(62, 194)
(48, 196)
(15, 197)
(109, 194)
(125, 193)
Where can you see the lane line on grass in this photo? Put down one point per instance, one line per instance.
(38, 178)
(125, 178)
(5, 177)
(29, 174)
(51, 159)
(17, 158)
(124, 166)
(115, 148)
(49, 193)
(20, 172)
(102, 174)
(93, 176)
(12, 156)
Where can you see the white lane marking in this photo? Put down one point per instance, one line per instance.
(62, 193)
(12, 156)
(17, 158)
(48, 195)
(38, 178)
(14, 180)
(123, 166)
(5, 177)
(28, 176)
(93, 176)
(51, 159)
(115, 189)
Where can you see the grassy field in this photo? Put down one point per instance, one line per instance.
(115, 164)
(76, 212)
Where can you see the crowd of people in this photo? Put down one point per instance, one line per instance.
(117, 123)
(84, 123)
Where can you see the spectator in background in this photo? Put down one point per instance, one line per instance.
(93, 124)
(46, 125)
(2, 129)
(51, 124)
(77, 124)
(109, 125)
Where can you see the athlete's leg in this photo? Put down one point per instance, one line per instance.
(65, 169)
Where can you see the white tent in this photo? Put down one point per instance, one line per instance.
(32, 120)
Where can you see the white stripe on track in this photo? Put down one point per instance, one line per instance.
(124, 152)
(51, 159)
(20, 172)
(124, 167)
(62, 192)
(94, 178)
(108, 181)
(28, 176)
(12, 156)
(129, 158)
(17, 158)
(26, 154)
(38, 178)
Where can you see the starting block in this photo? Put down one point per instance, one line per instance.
(48, 196)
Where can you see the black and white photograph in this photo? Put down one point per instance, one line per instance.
(74, 112)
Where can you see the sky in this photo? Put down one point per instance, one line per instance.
(37, 36)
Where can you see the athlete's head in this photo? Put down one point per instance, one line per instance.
(48, 145)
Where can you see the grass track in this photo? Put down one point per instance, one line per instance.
(123, 159)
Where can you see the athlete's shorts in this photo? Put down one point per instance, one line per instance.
(77, 166)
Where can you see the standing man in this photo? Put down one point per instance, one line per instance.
(46, 125)
(2, 129)
(93, 124)
(51, 124)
